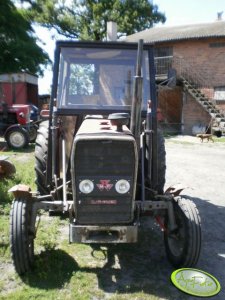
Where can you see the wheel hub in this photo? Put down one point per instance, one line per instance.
(17, 139)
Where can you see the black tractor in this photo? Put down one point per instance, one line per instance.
(100, 158)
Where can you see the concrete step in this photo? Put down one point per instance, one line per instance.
(219, 120)
(214, 111)
(208, 104)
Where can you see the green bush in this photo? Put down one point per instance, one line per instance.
(24, 163)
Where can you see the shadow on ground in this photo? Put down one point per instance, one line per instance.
(4, 148)
(137, 268)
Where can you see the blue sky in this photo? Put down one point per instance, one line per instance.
(178, 12)
(181, 12)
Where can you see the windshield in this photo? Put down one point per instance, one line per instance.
(99, 78)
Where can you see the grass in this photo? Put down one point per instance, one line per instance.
(219, 140)
(78, 271)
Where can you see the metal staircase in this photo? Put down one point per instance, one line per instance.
(218, 117)
(195, 83)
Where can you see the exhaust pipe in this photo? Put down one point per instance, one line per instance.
(135, 125)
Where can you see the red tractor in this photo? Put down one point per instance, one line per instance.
(16, 126)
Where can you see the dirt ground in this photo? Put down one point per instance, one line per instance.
(200, 167)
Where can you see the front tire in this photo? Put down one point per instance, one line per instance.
(183, 244)
(22, 235)
(17, 138)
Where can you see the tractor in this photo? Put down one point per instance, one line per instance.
(16, 126)
(100, 157)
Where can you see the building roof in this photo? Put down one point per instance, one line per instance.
(176, 33)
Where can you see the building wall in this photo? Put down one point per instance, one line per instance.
(14, 93)
(204, 60)
(19, 88)
(193, 115)
(170, 104)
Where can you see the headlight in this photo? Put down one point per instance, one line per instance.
(122, 186)
(86, 186)
(22, 115)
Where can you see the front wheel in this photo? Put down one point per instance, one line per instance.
(22, 235)
(17, 138)
(183, 244)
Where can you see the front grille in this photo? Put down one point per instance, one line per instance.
(94, 210)
(104, 158)
(108, 161)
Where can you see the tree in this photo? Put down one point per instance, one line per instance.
(18, 49)
(87, 19)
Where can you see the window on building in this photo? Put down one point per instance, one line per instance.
(163, 60)
(163, 51)
(219, 93)
(217, 45)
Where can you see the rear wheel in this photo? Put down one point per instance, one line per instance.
(22, 235)
(183, 244)
(33, 133)
(41, 152)
(161, 163)
(17, 138)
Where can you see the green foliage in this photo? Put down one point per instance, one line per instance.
(82, 77)
(24, 163)
(4, 238)
(18, 49)
(47, 234)
(87, 19)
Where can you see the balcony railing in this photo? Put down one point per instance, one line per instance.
(183, 70)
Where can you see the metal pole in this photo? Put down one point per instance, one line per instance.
(65, 203)
(152, 122)
(137, 97)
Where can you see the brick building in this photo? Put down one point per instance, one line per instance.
(190, 74)
(19, 88)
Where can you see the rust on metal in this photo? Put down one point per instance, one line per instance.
(21, 190)
(175, 191)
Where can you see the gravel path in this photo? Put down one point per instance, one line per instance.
(201, 168)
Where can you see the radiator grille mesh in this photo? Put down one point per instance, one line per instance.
(106, 160)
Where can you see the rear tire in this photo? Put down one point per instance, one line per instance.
(33, 133)
(161, 163)
(17, 138)
(41, 152)
(21, 235)
(183, 245)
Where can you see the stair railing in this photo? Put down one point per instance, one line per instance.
(188, 71)
(185, 70)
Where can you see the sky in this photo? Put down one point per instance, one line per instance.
(177, 12)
